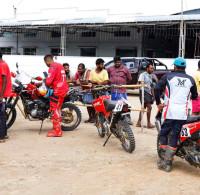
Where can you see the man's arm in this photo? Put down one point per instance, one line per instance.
(85, 82)
(193, 91)
(75, 79)
(70, 77)
(51, 75)
(4, 79)
(139, 80)
(129, 77)
(91, 79)
(152, 92)
(160, 86)
(105, 78)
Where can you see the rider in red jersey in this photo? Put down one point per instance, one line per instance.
(57, 80)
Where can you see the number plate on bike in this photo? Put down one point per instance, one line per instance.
(185, 132)
(119, 106)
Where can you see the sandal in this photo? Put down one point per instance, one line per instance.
(138, 125)
(2, 140)
(93, 120)
(150, 126)
(6, 137)
(87, 121)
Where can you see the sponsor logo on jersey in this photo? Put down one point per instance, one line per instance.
(181, 83)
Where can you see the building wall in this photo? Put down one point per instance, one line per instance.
(104, 42)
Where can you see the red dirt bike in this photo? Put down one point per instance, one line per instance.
(111, 118)
(189, 139)
(35, 105)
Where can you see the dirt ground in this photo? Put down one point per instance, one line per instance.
(77, 163)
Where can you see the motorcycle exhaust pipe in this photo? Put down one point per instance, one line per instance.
(158, 126)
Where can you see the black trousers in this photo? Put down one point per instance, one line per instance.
(170, 125)
(3, 117)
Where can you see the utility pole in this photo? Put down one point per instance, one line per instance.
(63, 40)
(15, 11)
(182, 34)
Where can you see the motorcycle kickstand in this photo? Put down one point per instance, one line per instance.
(107, 139)
(41, 127)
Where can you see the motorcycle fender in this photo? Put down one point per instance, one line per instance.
(12, 94)
(158, 125)
(191, 131)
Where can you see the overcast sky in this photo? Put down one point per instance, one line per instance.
(144, 7)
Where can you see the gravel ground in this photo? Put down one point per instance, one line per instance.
(77, 163)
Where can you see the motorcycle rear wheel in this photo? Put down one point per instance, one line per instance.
(10, 119)
(71, 117)
(127, 139)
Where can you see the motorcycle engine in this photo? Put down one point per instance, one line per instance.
(191, 152)
(37, 109)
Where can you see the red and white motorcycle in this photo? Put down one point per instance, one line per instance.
(35, 105)
(189, 139)
(111, 118)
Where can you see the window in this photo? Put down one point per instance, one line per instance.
(55, 34)
(129, 63)
(122, 33)
(150, 53)
(151, 35)
(29, 51)
(109, 64)
(88, 52)
(5, 34)
(126, 52)
(55, 51)
(30, 35)
(5, 50)
(88, 34)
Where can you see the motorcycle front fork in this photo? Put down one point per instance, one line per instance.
(199, 142)
(15, 102)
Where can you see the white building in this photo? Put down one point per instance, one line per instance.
(109, 35)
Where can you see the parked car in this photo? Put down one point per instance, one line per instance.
(138, 65)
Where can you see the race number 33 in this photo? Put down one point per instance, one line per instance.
(185, 132)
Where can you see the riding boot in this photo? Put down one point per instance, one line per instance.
(170, 152)
(161, 152)
(56, 132)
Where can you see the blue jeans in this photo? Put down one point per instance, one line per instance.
(170, 125)
(118, 96)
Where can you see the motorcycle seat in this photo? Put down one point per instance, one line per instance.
(109, 105)
(192, 119)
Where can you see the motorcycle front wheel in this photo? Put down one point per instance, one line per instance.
(126, 136)
(71, 117)
(100, 124)
(12, 117)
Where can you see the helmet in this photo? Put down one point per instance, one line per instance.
(180, 62)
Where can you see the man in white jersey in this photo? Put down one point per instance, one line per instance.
(178, 86)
